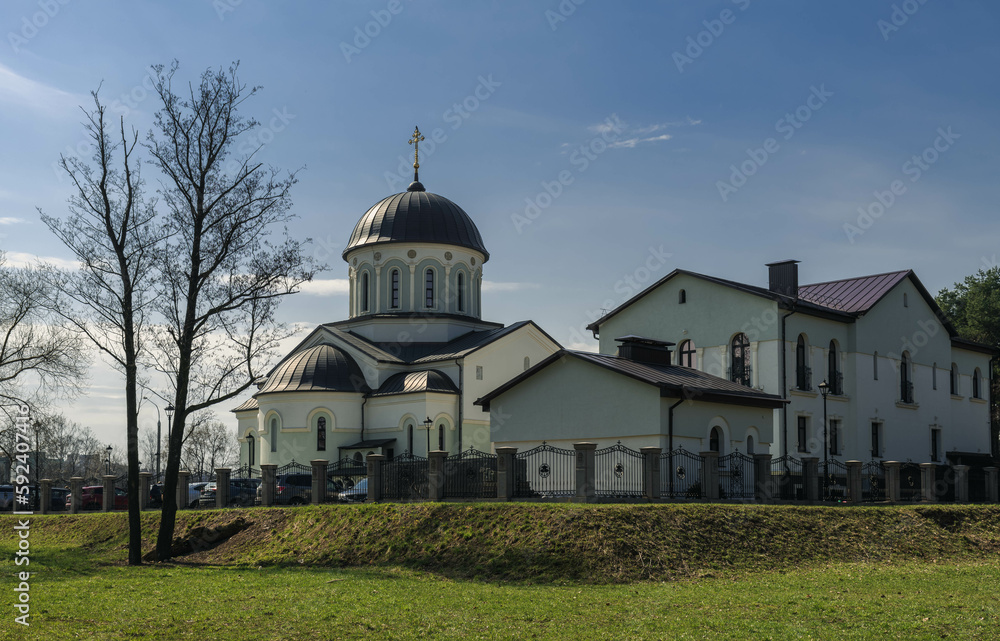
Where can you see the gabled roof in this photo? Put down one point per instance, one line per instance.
(853, 295)
(428, 380)
(672, 380)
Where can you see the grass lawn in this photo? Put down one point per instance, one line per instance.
(73, 598)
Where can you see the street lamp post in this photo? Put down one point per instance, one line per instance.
(169, 411)
(824, 389)
(157, 435)
(428, 424)
(109, 461)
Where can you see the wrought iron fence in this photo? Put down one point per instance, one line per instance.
(293, 484)
(404, 478)
(344, 476)
(787, 479)
(833, 480)
(873, 482)
(944, 483)
(618, 472)
(977, 485)
(680, 474)
(736, 481)
(245, 486)
(910, 482)
(470, 474)
(545, 471)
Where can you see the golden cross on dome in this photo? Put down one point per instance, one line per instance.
(415, 141)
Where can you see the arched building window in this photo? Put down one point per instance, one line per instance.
(274, 435)
(739, 352)
(875, 365)
(441, 433)
(977, 384)
(682, 297)
(461, 291)
(321, 434)
(715, 440)
(905, 384)
(394, 289)
(251, 454)
(429, 288)
(750, 444)
(409, 439)
(688, 354)
(954, 379)
(834, 375)
(803, 375)
(365, 295)
(527, 363)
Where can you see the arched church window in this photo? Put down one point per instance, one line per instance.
(365, 298)
(441, 436)
(739, 370)
(750, 445)
(461, 292)
(803, 375)
(715, 440)
(687, 354)
(429, 288)
(358, 457)
(527, 363)
(409, 438)
(250, 449)
(321, 434)
(905, 382)
(274, 435)
(682, 297)
(394, 281)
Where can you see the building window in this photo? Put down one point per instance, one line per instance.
(876, 439)
(409, 438)
(251, 443)
(321, 434)
(835, 377)
(935, 444)
(461, 292)
(527, 363)
(687, 354)
(934, 376)
(977, 384)
(750, 445)
(905, 300)
(364, 292)
(715, 440)
(954, 379)
(905, 384)
(479, 372)
(739, 351)
(394, 288)
(875, 365)
(441, 436)
(803, 433)
(835, 443)
(682, 297)
(429, 288)
(274, 435)
(803, 374)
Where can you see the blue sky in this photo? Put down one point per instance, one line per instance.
(744, 132)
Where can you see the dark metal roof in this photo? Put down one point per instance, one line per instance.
(428, 380)
(249, 404)
(417, 216)
(319, 368)
(673, 380)
(852, 295)
(361, 445)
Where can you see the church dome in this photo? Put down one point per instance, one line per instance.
(322, 368)
(416, 216)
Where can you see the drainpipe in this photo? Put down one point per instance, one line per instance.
(461, 401)
(784, 386)
(670, 437)
(363, 417)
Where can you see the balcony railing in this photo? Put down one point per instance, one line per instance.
(803, 378)
(906, 392)
(741, 375)
(837, 383)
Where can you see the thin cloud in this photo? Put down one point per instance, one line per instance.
(18, 90)
(326, 287)
(491, 286)
(635, 136)
(632, 142)
(10, 220)
(23, 259)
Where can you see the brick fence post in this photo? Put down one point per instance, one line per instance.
(992, 484)
(892, 480)
(435, 474)
(651, 471)
(45, 496)
(763, 483)
(853, 481)
(76, 491)
(961, 483)
(222, 475)
(928, 477)
(318, 480)
(145, 481)
(585, 472)
(108, 500)
(810, 478)
(268, 472)
(374, 462)
(506, 474)
(710, 476)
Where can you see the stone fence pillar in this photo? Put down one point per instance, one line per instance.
(585, 472)
(892, 480)
(810, 478)
(992, 484)
(319, 480)
(374, 462)
(961, 483)
(651, 472)
(435, 474)
(853, 481)
(710, 476)
(45, 496)
(222, 476)
(763, 483)
(108, 500)
(268, 474)
(76, 491)
(183, 489)
(145, 484)
(506, 473)
(928, 477)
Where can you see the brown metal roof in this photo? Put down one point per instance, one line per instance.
(428, 380)
(852, 295)
(319, 368)
(249, 404)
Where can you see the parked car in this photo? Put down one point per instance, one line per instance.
(241, 492)
(92, 498)
(357, 493)
(6, 497)
(156, 495)
(296, 489)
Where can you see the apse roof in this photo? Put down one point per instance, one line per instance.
(318, 368)
(428, 380)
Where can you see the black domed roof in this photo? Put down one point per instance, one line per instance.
(322, 368)
(416, 216)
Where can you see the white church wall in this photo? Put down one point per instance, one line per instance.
(296, 438)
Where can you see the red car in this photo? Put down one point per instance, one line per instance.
(92, 498)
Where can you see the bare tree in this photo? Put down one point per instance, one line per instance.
(112, 231)
(222, 275)
(208, 444)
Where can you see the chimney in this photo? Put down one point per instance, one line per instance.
(783, 277)
(644, 350)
